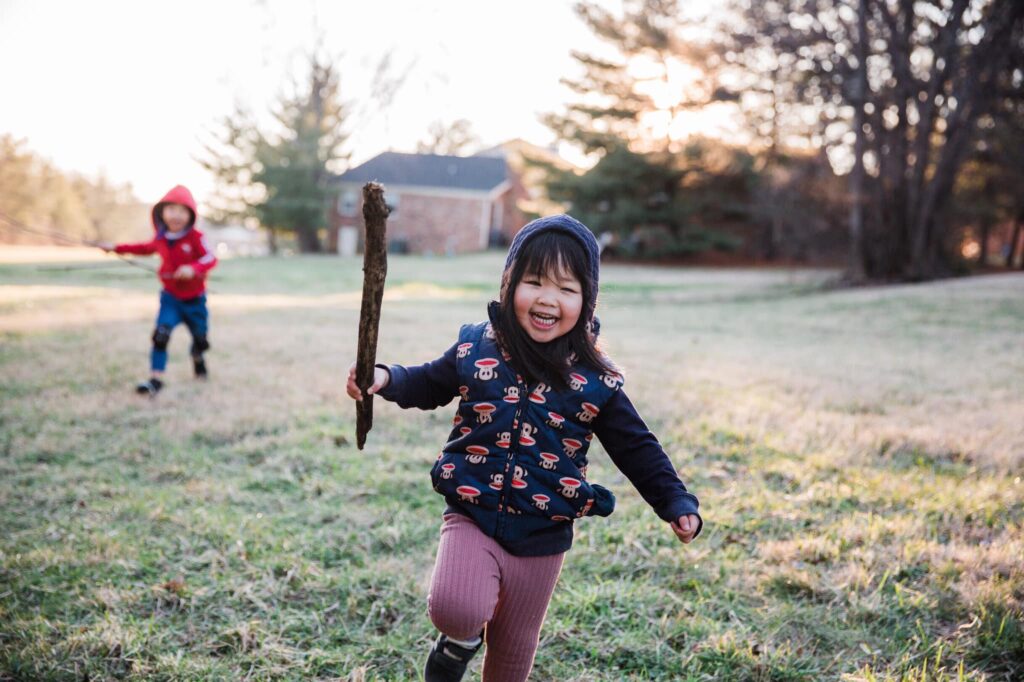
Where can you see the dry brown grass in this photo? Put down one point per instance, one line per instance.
(858, 455)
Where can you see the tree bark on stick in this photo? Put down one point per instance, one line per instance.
(375, 269)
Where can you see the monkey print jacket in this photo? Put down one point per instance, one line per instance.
(516, 459)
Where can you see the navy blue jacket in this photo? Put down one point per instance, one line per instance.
(515, 461)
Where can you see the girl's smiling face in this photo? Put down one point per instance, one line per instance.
(548, 305)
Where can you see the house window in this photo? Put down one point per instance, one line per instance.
(348, 202)
(392, 200)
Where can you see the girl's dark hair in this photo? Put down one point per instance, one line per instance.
(550, 251)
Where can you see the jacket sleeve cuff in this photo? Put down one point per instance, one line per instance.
(681, 506)
(396, 379)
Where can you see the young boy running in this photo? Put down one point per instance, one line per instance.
(185, 259)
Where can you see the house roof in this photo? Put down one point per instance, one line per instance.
(516, 149)
(430, 170)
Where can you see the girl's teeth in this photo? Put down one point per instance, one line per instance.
(543, 319)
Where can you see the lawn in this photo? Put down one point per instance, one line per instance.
(858, 455)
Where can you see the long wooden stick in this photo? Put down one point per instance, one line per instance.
(375, 269)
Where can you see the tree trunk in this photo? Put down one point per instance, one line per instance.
(857, 256)
(332, 240)
(937, 194)
(923, 193)
(272, 241)
(1013, 242)
(309, 240)
(900, 227)
(773, 229)
(985, 229)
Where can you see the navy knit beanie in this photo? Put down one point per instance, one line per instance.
(569, 225)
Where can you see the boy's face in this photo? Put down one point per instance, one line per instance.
(175, 217)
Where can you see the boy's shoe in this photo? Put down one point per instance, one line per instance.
(150, 387)
(199, 366)
(447, 661)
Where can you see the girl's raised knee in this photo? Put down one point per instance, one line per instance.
(456, 618)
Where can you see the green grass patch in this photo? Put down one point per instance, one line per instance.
(857, 455)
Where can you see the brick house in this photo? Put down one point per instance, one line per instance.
(440, 204)
(531, 195)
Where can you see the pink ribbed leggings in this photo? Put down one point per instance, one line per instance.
(476, 582)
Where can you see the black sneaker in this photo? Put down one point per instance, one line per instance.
(447, 662)
(150, 387)
(199, 366)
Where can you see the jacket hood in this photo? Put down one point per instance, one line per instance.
(569, 225)
(178, 194)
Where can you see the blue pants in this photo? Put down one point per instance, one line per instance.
(173, 312)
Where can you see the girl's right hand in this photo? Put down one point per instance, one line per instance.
(381, 377)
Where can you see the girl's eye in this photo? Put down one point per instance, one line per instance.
(568, 290)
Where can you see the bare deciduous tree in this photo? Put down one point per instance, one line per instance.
(900, 87)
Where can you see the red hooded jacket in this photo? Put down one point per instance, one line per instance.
(191, 249)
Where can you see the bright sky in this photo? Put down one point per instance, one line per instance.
(129, 87)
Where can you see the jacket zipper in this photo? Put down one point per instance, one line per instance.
(506, 482)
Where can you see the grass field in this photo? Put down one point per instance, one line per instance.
(858, 455)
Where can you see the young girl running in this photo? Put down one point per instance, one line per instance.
(534, 389)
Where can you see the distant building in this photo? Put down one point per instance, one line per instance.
(531, 197)
(439, 204)
(234, 240)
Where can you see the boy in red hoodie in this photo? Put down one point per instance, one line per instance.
(185, 258)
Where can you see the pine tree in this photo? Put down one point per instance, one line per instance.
(636, 94)
(631, 102)
(280, 178)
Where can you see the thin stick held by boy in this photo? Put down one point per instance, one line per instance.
(533, 389)
(185, 260)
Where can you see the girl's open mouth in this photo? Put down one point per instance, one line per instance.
(543, 321)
